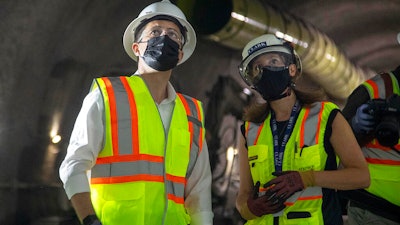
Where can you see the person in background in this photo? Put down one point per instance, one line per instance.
(290, 145)
(373, 110)
(141, 142)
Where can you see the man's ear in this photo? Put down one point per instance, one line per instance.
(135, 49)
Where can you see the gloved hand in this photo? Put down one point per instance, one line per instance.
(288, 182)
(363, 122)
(265, 204)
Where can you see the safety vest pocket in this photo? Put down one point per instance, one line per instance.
(308, 158)
(177, 159)
(302, 218)
(119, 203)
(260, 162)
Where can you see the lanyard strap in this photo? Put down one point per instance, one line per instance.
(278, 150)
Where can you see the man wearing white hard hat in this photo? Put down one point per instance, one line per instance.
(142, 142)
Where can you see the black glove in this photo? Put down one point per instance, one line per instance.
(265, 204)
(285, 184)
(91, 220)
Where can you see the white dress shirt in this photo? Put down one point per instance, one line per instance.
(87, 141)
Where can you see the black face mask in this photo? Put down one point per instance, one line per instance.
(161, 53)
(274, 80)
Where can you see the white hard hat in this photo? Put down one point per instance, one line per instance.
(163, 8)
(264, 44)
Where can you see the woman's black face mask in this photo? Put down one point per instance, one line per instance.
(162, 53)
(273, 82)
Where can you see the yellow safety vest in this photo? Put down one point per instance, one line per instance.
(140, 175)
(304, 151)
(383, 162)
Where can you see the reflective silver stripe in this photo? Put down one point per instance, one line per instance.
(375, 153)
(177, 189)
(128, 169)
(138, 168)
(124, 122)
(381, 86)
(252, 133)
(311, 123)
(194, 118)
(310, 193)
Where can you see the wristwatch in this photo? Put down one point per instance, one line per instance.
(91, 220)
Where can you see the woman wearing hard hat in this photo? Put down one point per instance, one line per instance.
(142, 142)
(290, 145)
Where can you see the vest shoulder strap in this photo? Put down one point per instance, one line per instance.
(194, 112)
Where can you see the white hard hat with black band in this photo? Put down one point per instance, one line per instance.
(163, 10)
(261, 45)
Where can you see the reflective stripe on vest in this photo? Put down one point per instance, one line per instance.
(122, 151)
(304, 151)
(382, 85)
(383, 162)
(194, 114)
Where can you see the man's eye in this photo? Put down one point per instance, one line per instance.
(155, 33)
(173, 35)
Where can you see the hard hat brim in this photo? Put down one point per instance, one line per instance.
(269, 49)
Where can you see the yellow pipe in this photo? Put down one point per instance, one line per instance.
(233, 23)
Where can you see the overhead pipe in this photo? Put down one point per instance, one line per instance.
(233, 23)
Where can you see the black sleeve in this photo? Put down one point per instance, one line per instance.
(331, 160)
(358, 97)
(331, 206)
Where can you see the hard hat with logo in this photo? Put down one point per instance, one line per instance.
(163, 10)
(264, 44)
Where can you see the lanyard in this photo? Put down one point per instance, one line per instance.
(278, 150)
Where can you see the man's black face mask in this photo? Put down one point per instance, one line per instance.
(162, 53)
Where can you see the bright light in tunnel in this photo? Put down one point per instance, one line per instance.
(54, 136)
(56, 139)
(330, 57)
(249, 21)
(230, 153)
(247, 91)
(291, 39)
(238, 16)
(398, 37)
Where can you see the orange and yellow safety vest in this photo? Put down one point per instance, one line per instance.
(383, 162)
(140, 175)
(303, 151)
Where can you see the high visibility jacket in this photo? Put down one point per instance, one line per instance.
(304, 151)
(140, 175)
(383, 162)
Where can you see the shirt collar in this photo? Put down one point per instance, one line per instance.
(171, 93)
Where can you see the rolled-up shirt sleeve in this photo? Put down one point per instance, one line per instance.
(84, 146)
(198, 191)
